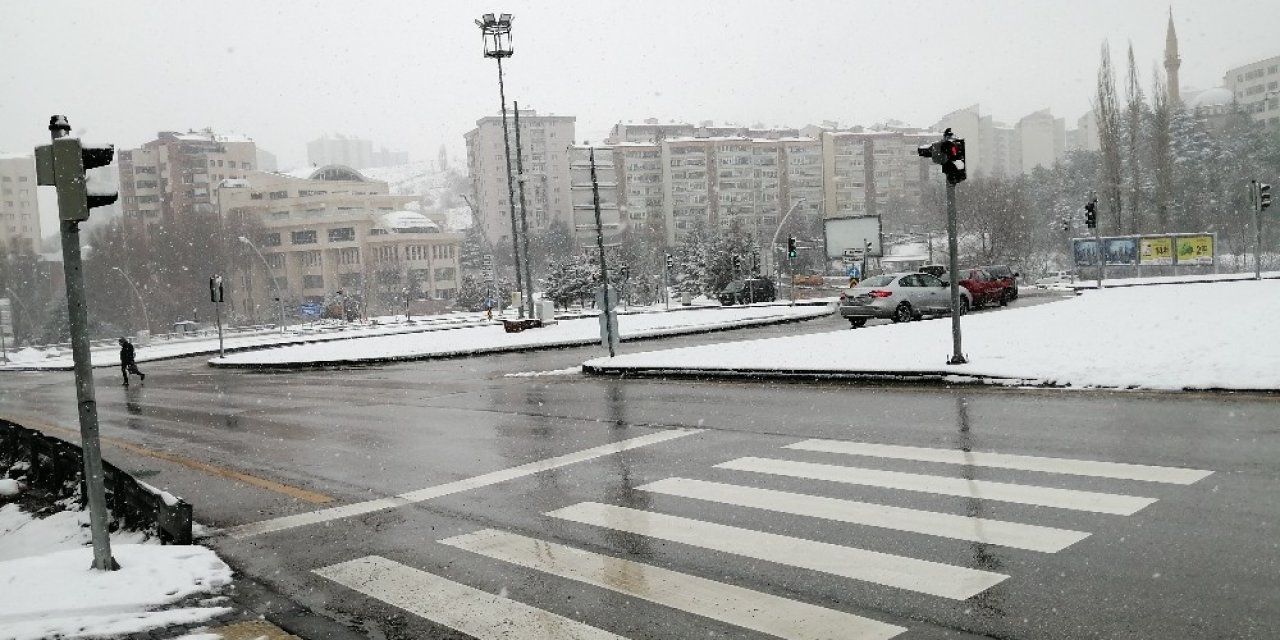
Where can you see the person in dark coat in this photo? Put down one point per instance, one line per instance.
(128, 364)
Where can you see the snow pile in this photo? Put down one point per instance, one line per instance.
(1190, 336)
(47, 588)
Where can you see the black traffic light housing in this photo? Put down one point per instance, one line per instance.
(791, 246)
(626, 272)
(671, 261)
(215, 289)
(63, 164)
(948, 152)
(1091, 213)
(1264, 196)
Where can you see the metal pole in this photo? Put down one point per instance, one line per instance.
(953, 266)
(604, 272)
(4, 350)
(78, 312)
(791, 268)
(1256, 193)
(524, 219)
(217, 312)
(511, 189)
(274, 285)
(1102, 258)
(141, 302)
(666, 284)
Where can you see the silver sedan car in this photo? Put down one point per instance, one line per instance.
(901, 297)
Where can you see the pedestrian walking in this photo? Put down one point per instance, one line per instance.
(128, 364)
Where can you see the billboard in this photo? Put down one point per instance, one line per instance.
(1086, 251)
(1194, 249)
(1155, 251)
(1120, 251)
(850, 233)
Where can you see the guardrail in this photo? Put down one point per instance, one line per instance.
(57, 466)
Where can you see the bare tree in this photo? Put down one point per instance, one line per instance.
(1109, 135)
(1134, 113)
(1161, 158)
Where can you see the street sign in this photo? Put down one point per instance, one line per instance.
(853, 271)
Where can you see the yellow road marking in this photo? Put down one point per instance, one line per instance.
(262, 483)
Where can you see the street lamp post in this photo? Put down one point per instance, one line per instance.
(141, 302)
(773, 244)
(266, 265)
(497, 45)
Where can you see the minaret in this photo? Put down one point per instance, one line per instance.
(1171, 60)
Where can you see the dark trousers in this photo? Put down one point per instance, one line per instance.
(129, 367)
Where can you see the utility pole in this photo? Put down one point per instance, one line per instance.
(949, 152)
(524, 218)
(215, 296)
(63, 164)
(1091, 220)
(610, 323)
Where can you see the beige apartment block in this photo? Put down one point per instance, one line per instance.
(19, 211)
(1257, 90)
(1041, 139)
(330, 229)
(545, 141)
(175, 175)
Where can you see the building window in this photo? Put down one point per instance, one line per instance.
(350, 280)
(445, 273)
(303, 237)
(312, 282)
(349, 256)
(342, 234)
(275, 260)
(311, 259)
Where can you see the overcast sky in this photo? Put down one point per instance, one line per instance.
(410, 75)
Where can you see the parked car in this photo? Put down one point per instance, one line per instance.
(1057, 277)
(935, 270)
(1007, 276)
(901, 297)
(984, 288)
(748, 291)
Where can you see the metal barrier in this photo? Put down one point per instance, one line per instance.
(56, 466)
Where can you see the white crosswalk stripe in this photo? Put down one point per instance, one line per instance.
(1094, 468)
(1111, 503)
(734, 605)
(1008, 534)
(922, 576)
(466, 609)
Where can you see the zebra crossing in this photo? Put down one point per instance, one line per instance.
(485, 615)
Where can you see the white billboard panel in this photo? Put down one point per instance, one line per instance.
(851, 234)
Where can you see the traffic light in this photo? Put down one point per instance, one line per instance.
(1091, 214)
(63, 164)
(1264, 196)
(626, 272)
(737, 263)
(949, 152)
(671, 262)
(215, 289)
(791, 246)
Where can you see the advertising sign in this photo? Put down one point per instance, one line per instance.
(1155, 251)
(1086, 252)
(1194, 249)
(850, 234)
(1120, 251)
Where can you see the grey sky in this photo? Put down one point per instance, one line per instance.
(410, 75)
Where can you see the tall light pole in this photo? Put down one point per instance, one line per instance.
(141, 302)
(774, 242)
(266, 265)
(497, 45)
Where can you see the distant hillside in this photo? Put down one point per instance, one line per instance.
(443, 190)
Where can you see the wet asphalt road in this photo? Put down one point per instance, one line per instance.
(1198, 562)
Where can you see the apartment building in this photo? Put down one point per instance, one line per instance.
(349, 151)
(1041, 140)
(545, 141)
(875, 173)
(653, 131)
(332, 229)
(19, 211)
(1257, 90)
(175, 175)
(640, 191)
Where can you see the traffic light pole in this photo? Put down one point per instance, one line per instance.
(77, 312)
(1256, 196)
(953, 266)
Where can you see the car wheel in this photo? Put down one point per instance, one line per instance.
(964, 306)
(1005, 297)
(857, 323)
(903, 313)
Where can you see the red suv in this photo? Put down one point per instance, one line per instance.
(985, 288)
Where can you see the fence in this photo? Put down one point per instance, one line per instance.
(57, 467)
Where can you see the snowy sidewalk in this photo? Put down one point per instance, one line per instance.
(493, 339)
(1189, 336)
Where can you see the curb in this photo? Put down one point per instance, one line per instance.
(447, 355)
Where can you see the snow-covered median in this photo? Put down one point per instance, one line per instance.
(1189, 336)
(48, 590)
(492, 338)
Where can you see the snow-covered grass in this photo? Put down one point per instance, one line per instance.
(492, 338)
(1190, 336)
(1092, 283)
(48, 590)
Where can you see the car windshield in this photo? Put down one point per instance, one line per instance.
(635, 319)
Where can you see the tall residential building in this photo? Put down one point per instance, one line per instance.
(545, 141)
(873, 173)
(175, 175)
(1171, 60)
(653, 131)
(332, 229)
(340, 150)
(640, 193)
(19, 211)
(1257, 90)
(1041, 140)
